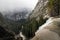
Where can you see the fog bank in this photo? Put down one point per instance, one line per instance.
(10, 5)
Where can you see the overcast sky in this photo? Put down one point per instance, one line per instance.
(16, 4)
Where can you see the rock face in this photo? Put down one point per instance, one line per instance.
(46, 8)
(49, 31)
(39, 8)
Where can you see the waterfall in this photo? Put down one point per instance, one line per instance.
(22, 36)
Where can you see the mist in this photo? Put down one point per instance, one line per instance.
(11, 5)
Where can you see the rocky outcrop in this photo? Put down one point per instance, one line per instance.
(40, 9)
(49, 31)
(46, 8)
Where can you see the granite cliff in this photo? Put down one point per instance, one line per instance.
(46, 8)
(50, 29)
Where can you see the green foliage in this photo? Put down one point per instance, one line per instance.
(54, 7)
(41, 21)
(15, 27)
(51, 3)
(31, 27)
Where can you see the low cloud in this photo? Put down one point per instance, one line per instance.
(10, 5)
